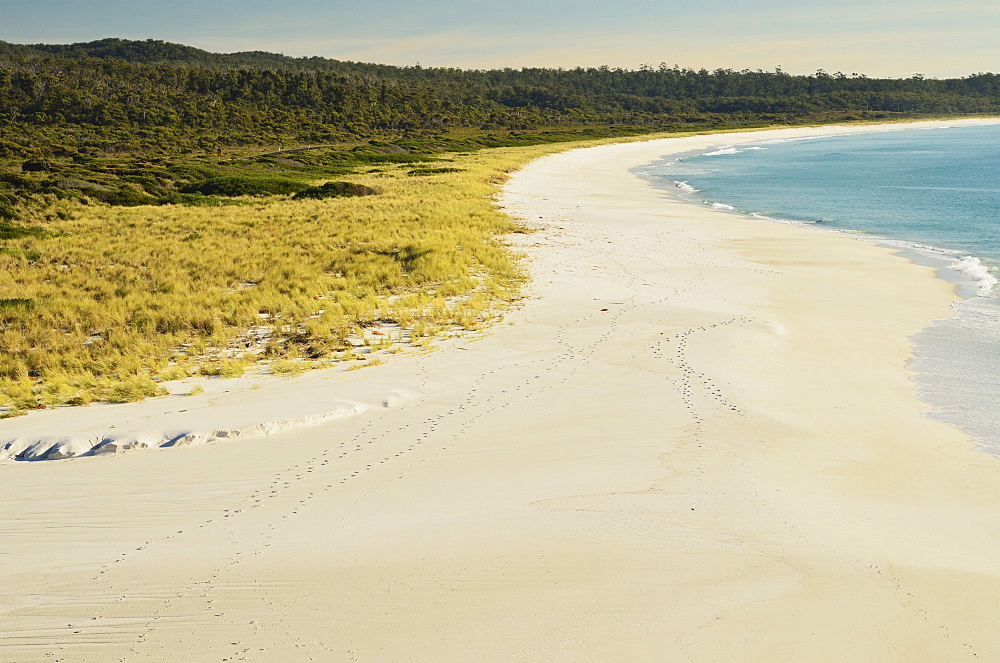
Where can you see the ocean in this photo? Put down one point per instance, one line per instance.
(934, 193)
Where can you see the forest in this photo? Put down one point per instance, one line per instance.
(126, 95)
(77, 104)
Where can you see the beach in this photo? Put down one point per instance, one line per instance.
(696, 440)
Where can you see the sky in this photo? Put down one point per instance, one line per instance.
(884, 38)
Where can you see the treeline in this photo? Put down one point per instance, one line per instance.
(140, 95)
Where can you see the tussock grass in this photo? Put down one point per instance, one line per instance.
(371, 362)
(100, 303)
(224, 368)
(287, 367)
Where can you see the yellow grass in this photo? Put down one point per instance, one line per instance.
(126, 297)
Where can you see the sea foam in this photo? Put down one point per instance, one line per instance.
(721, 151)
(978, 272)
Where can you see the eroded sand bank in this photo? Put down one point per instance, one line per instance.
(696, 442)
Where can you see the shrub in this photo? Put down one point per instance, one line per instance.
(17, 303)
(17, 181)
(8, 211)
(28, 255)
(127, 197)
(7, 231)
(192, 171)
(72, 183)
(174, 198)
(335, 190)
(416, 172)
(245, 185)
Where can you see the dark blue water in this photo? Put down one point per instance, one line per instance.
(933, 191)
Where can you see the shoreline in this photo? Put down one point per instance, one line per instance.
(949, 352)
(698, 441)
(64, 432)
(970, 281)
(961, 442)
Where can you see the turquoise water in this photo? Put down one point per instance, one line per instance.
(933, 192)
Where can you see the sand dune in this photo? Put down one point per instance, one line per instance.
(254, 406)
(697, 441)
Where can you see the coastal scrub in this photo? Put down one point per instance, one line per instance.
(98, 301)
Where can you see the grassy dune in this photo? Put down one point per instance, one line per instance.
(100, 302)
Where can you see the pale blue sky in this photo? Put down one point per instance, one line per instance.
(876, 37)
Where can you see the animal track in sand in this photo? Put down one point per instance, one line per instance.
(315, 476)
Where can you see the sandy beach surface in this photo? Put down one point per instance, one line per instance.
(696, 441)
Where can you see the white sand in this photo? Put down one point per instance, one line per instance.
(727, 464)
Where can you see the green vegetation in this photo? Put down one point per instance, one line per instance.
(8, 231)
(245, 185)
(17, 303)
(149, 98)
(432, 171)
(335, 190)
(102, 300)
(167, 212)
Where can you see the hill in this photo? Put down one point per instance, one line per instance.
(149, 94)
